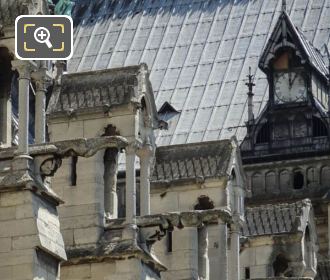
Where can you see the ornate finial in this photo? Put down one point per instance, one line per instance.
(250, 83)
(250, 94)
(283, 5)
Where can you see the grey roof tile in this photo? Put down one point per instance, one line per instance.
(198, 52)
(278, 218)
(208, 159)
(82, 91)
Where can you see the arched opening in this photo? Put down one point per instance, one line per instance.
(311, 177)
(257, 183)
(110, 161)
(298, 180)
(6, 76)
(233, 177)
(271, 182)
(280, 266)
(285, 182)
(325, 176)
(319, 128)
(73, 171)
(263, 135)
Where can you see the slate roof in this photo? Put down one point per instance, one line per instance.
(276, 218)
(92, 90)
(198, 51)
(192, 161)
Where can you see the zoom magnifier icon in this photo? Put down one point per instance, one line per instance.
(41, 35)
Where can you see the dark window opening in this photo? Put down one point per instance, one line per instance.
(169, 241)
(298, 180)
(167, 112)
(7, 76)
(73, 178)
(319, 128)
(143, 103)
(263, 134)
(280, 266)
(247, 273)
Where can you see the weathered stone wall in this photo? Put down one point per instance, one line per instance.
(29, 229)
(262, 252)
(91, 126)
(132, 269)
(257, 260)
(182, 261)
(185, 197)
(81, 216)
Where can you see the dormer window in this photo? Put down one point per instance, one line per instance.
(167, 112)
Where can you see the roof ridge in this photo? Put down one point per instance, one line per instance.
(303, 202)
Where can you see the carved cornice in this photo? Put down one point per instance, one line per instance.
(194, 218)
(24, 68)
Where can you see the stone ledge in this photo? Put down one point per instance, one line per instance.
(176, 219)
(79, 147)
(120, 250)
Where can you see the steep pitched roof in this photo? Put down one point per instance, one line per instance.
(90, 90)
(286, 34)
(276, 218)
(193, 161)
(198, 52)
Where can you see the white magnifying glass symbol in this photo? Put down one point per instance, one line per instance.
(41, 35)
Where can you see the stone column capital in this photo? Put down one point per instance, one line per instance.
(42, 77)
(145, 152)
(24, 68)
(133, 147)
